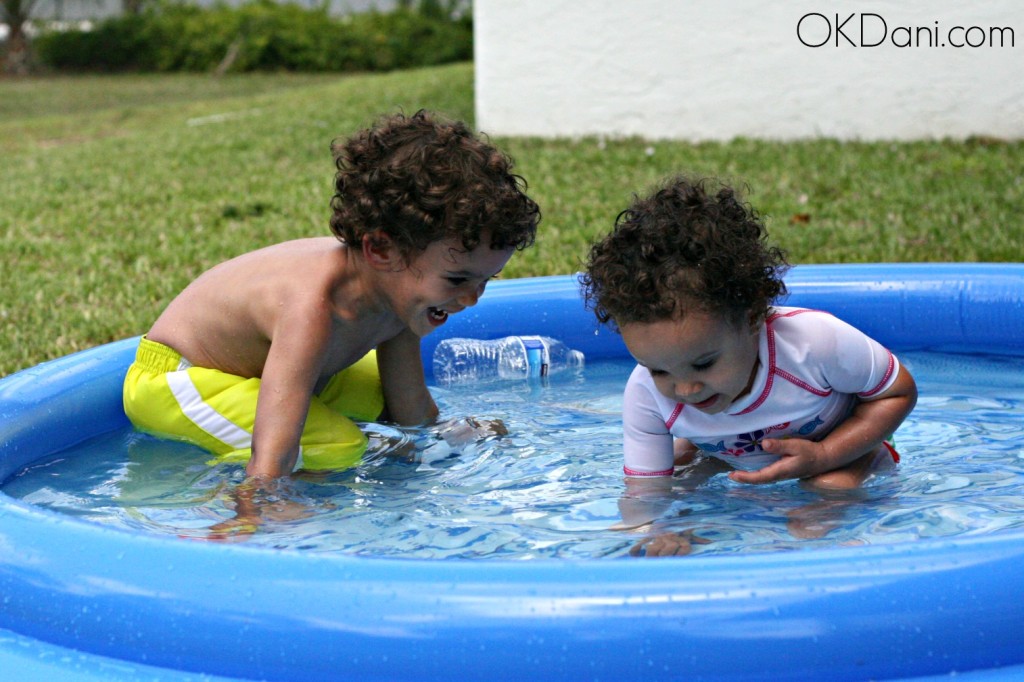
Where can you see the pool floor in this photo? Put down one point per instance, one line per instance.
(552, 487)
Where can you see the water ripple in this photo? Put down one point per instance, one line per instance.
(553, 486)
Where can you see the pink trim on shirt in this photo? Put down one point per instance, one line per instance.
(675, 415)
(865, 394)
(824, 393)
(885, 379)
(647, 474)
(774, 371)
(771, 366)
(793, 313)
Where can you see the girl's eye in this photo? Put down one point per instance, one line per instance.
(658, 372)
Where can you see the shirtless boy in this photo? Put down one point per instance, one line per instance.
(269, 357)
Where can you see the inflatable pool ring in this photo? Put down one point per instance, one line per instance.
(81, 601)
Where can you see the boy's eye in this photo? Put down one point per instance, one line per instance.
(701, 366)
(456, 281)
(658, 372)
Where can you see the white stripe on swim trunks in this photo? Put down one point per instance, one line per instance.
(204, 416)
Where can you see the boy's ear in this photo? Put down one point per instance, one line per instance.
(380, 252)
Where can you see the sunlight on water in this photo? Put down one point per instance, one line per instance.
(551, 488)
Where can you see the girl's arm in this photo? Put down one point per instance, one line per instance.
(647, 498)
(872, 421)
(649, 455)
(644, 501)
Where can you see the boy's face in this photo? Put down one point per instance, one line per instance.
(445, 279)
(703, 360)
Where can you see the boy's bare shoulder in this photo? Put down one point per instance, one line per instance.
(227, 317)
(289, 251)
(277, 266)
(287, 275)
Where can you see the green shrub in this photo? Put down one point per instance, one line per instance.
(116, 45)
(261, 36)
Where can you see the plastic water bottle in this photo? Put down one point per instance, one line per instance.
(513, 357)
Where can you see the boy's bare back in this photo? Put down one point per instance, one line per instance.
(305, 290)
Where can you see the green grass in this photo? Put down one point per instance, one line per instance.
(117, 191)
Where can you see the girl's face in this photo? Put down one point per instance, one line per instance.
(704, 360)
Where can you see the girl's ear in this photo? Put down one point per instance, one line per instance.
(755, 321)
(380, 252)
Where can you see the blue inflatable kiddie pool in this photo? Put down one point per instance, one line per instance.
(80, 601)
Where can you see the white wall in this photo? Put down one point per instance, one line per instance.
(692, 69)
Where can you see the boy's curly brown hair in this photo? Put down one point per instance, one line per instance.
(683, 248)
(419, 179)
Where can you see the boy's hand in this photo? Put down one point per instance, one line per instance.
(799, 459)
(237, 529)
(457, 432)
(668, 544)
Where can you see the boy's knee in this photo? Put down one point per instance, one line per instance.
(334, 456)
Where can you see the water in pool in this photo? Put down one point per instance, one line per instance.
(552, 487)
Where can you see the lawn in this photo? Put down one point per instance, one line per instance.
(118, 190)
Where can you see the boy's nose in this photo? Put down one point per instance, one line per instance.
(468, 299)
(471, 297)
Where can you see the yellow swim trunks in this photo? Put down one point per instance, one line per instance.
(166, 396)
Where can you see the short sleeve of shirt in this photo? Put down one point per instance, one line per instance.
(647, 442)
(853, 362)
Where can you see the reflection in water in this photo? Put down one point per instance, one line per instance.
(551, 487)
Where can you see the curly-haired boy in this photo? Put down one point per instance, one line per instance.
(268, 357)
(690, 282)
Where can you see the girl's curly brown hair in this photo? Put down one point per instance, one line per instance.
(683, 248)
(419, 179)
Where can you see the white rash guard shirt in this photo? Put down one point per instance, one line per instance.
(813, 366)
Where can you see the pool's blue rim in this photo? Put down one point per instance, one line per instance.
(121, 601)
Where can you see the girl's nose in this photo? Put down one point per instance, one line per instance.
(685, 389)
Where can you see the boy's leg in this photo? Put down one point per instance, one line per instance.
(356, 391)
(216, 410)
(164, 395)
(330, 440)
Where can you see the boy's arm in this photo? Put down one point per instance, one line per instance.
(408, 401)
(289, 376)
(872, 421)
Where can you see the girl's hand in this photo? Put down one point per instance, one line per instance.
(799, 459)
(668, 544)
(872, 420)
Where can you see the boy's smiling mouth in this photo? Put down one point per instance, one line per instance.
(438, 316)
